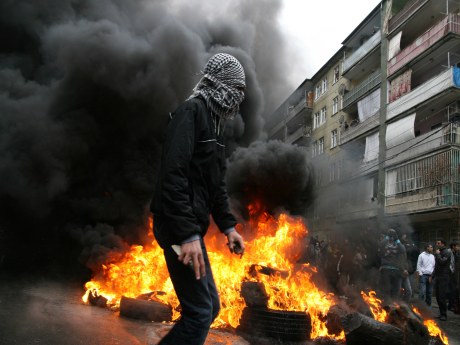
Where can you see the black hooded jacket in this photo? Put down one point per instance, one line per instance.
(190, 184)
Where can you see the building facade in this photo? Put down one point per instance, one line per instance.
(383, 121)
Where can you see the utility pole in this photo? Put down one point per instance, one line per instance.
(385, 10)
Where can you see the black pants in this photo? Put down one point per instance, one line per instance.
(441, 286)
(453, 295)
(390, 282)
(199, 301)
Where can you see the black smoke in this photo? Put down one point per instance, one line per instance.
(274, 175)
(85, 90)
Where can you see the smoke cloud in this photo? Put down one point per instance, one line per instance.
(274, 174)
(85, 91)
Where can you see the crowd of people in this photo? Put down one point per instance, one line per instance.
(393, 265)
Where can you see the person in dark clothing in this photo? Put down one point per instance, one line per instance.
(454, 301)
(393, 265)
(441, 274)
(191, 188)
(412, 253)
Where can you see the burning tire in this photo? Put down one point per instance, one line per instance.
(145, 310)
(278, 324)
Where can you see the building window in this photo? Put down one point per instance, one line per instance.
(335, 171)
(319, 118)
(321, 145)
(316, 122)
(335, 105)
(334, 138)
(321, 88)
(318, 91)
(318, 147)
(332, 170)
(336, 74)
(323, 115)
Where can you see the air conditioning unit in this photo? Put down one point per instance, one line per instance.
(307, 131)
(453, 112)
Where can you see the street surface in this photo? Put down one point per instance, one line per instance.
(51, 313)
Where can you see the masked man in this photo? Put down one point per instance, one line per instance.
(190, 188)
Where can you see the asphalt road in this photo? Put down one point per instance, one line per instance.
(451, 327)
(51, 313)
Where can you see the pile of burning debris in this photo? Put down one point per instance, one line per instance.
(274, 299)
(392, 324)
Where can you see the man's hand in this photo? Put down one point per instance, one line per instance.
(235, 243)
(191, 254)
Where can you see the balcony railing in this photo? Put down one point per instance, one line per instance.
(405, 13)
(450, 24)
(353, 131)
(362, 51)
(423, 144)
(292, 112)
(297, 109)
(371, 82)
(429, 183)
(424, 92)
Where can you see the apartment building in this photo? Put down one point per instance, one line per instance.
(327, 120)
(384, 130)
(422, 142)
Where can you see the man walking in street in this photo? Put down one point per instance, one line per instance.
(190, 188)
(425, 268)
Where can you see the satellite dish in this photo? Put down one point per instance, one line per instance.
(342, 89)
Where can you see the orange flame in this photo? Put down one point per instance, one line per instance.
(274, 243)
(380, 314)
(433, 328)
(375, 305)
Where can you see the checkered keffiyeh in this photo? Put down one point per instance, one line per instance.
(222, 85)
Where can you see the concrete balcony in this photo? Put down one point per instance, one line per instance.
(293, 113)
(355, 131)
(300, 137)
(423, 93)
(359, 91)
(362, 51)
(427, 184)
(408, 11)
(448, 25)
(348, 213)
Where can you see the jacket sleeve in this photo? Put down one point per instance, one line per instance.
(404, 262)
(221, 213)
(443, 259)
(175, 189)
